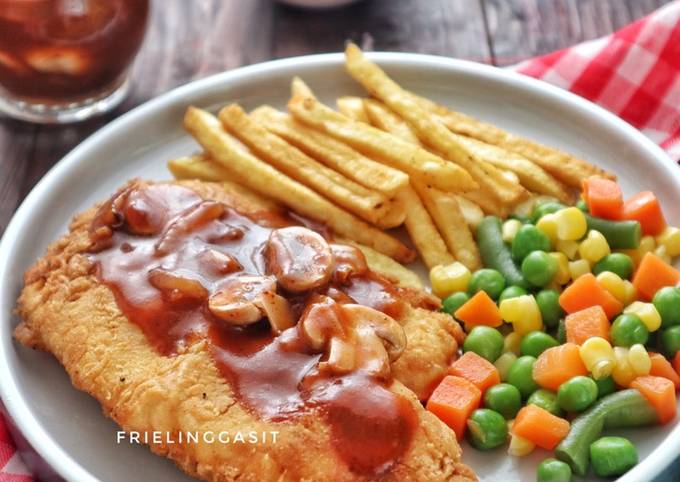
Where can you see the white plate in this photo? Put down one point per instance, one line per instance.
(67, 427)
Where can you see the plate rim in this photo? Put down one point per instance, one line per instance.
(18, 408)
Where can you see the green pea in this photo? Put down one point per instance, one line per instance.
(553, 470)
(667, 303)
(488, 280)
(520, 375)
(612, 456)
(504, 399)
(627, 330)
(539, 268)
(545, 399)
(529, 238)
(577, 394)
(543, 208)
(605, 386)
(561, 335)
(549, 304)
(536, 342)
(618, 263)
(670, 341)
(487, 429)
(582, 205)
(485, 341)
(454, 301)
(512, 292)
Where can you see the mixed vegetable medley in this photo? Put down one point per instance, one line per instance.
(573, 328)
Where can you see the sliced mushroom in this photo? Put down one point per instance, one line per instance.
(141, 212)
(175, 287)
(368, 320)
(192, 219)
(237, 302)
(300, 258)
(321, 321)
(354, 337)
(278, 311)
(219, 262)
(348, 261)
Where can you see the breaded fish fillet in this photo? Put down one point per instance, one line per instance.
(67, 311)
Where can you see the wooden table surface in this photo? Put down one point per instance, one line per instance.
(190, 39)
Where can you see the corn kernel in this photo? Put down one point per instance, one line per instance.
(614, 284)
(523, 313)
(503, 364)
(510, 228)
(594, 247)
(662, 253)
(647, 312)
(519, 446)
(598, 357)
(447, 279)
(647, 245)
(622, 373)
(511, 343)
(562, 275)
(639, 360)
(569, 248)
(548, 225)
(631, 292)
(571, 224)
(670, 238)
(578, 268)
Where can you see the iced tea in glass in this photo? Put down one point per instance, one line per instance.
(66, 60)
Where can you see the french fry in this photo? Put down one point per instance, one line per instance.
(332, 152)
(383, 118)
(488, 204)
(264, 179)
(471, 212)
(198, 167)
(430, 130)
(423, 232)
(530, 175)
(447, 217)
(386, 266)
(352, 107)
(379, 145)
(370, 205)
(568, 169)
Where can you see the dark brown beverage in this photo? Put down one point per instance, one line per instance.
(67, 51)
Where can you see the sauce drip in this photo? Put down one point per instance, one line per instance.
(164, 228)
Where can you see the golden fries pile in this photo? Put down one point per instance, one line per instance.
(381, 162)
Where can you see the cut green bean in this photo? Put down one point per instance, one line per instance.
(495, 253)
(619, 234)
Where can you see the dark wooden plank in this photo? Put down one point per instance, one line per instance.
(16, 144)
(442, 27)
(186, 40)
(520, 29)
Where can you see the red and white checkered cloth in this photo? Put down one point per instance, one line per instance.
(634, 73)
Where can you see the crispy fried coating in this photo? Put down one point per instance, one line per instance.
(68, 312)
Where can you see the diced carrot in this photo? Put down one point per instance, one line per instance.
(558, 364)
(479, 310)
(453, 401)
(653, 274)
(603, 197)
(663, 368)
(482, 373)
(644, 207)
(540, 426)
(660, 392)
(587, 323)
(585, 292)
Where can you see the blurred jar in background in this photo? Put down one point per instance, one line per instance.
(67, 60)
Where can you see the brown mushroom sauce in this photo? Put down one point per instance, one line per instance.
(278, 304)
